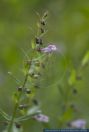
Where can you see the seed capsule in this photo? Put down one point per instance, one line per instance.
(28, 91)
(38, 41)
(43, 22)
(35, 101)
(74, 91)
(21, 107)
(36, 86)
(46, 14)
(79, 77)
(19, 89)
(36, 76)
(37, 63)
(18, 125)
(42, 30)
(29, 62)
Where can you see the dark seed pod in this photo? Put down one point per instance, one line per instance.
(43, 22)
(21, 107)
(29, 62)
(28, 91)
(38, 41)
(41, 42)
(69, 124)
(36, 86)
(35, 101)
(78, 77)
(72, 106)
(43, 65)
(18, 125)
(37, 63)
(19, 89)
(74, 91)
(38, 49)
(42, 30)
(36, 76)
(46, 14)
(31, 74)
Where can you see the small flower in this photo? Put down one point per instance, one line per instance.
(49, 49)
(41, 118)
(80, 123)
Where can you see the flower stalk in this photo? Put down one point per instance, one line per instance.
(17, 104)
(39, 55)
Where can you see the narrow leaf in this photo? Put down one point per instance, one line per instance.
(33, 45)
(32, 112)
(85, 59)
(72, 78)
(6, 116)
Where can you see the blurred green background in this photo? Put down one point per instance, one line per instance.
(68, 28)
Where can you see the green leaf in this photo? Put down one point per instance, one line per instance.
(85, 59)
(72, 78)
(33, 45)
(61, 91)
(68, 115)
(31, 112)
(15, 97)
(46, 125)
(5, 116)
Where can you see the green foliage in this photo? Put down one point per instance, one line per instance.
(85, 59)
(72, 78)
(30, 113)
(68, 27)
(4, 115)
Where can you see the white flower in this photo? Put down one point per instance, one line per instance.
(49, 49)
(80, 123)
(41, 118)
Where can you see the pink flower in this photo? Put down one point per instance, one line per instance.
(41, 118)
(80, 123)
(49, 49)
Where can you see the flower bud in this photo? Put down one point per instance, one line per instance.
(41, 118)
(49, 49)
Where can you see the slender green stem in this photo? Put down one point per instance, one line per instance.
(17, 104)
